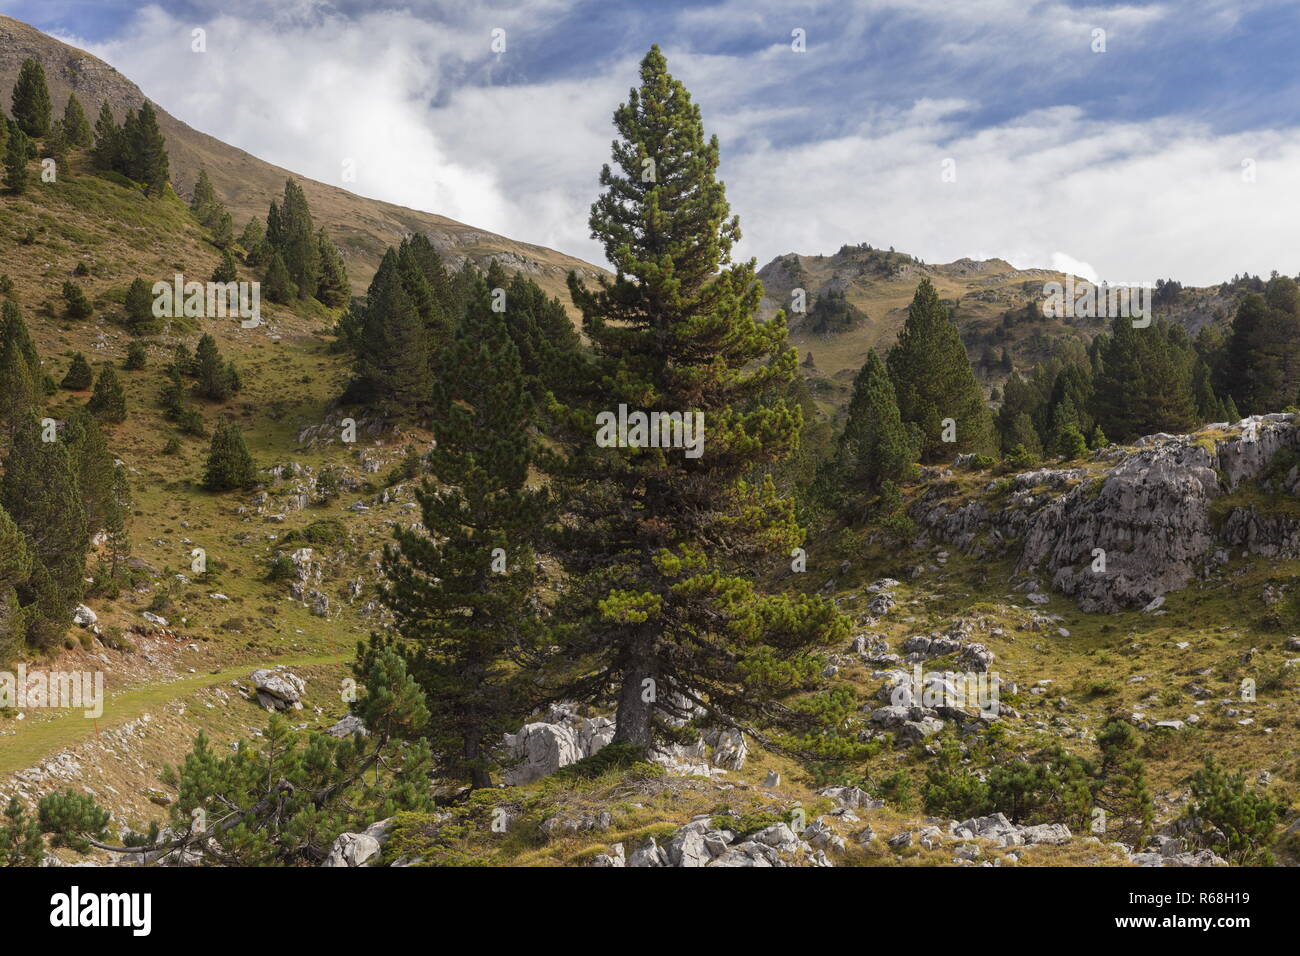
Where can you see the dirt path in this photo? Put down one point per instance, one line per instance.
(34, 740)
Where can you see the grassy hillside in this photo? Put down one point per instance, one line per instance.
(362, 228)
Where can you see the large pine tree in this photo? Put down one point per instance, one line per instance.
(31, 100)
(933, 381)
(461, 589)
(662, 548)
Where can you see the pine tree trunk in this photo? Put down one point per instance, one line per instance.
(633, 722)
(479, 778)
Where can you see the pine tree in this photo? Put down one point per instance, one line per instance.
(139, 305)
(108, 148)
(461, 589)
(1208, 406)
(228, 271)
(230, 466)
(147, 150)
(17, 152)
(31, 100)
(79, 377)
(392, 368)
(211, 371)
(108, 403)
(57, 148)
(39, 491)
(137, 356)
(333, 289)
(15, 568)
(278, 286)
(78, 306)
(548, 344)
(223, 233)
(298, 243)
(94, 467)
(875, 446)
(933, 380)
(251, 238)
(20, 367)
(660, 549)
(76, 127)
(204, 203)
(1262, 356)
(1145, 382)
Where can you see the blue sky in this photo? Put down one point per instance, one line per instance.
(1172, 153)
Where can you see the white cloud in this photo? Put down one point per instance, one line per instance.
(1135, 200)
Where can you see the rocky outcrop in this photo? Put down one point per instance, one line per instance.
(561, 738)
(1147, 517)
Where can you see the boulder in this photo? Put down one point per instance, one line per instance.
(278, 689)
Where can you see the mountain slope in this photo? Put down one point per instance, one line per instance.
(878, 285)
(363, 228)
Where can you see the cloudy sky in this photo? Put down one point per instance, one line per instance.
(1173, 153)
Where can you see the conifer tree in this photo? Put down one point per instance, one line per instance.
(79, 377)
(251, 238)
(76, 127)
(107, 152)
(212, 372)
(139, 305)
(1262, 356)
(17, 152)
(20, 368)
(933, 380)
(108, 402)
(875, 446)
(548, 344)
(204, 202)
(333, 289)
(78, 306)
(229, 466)
(298, 243)
(93, 465)
(57, 148)
(223, 232)
(39, 491)
(147, 150)
(392, 367)
(278, 286)
(1145, 382)
(31, 100)
(15, 568)
(137, 356)
(661, 548)
(228, 271)
(461, 590)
